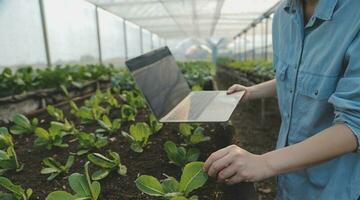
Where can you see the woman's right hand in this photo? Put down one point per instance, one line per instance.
(238, 88)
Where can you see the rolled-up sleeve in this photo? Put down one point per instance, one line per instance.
(346, 98)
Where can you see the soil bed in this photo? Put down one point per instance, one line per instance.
(152, 161)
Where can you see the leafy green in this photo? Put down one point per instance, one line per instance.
(192, 178)
(56, 113)
(179, 155)
(82, 185)
(8, 156)
(88, 141)
(134, 99)
(108, 126)
(193, 134)
(259, 67)
(128, 113)
(139, 136)
(22, 125)
(106, 165)
(16, 191)
(154, 124)
(50, 138)
(54, 168)
(197, 73)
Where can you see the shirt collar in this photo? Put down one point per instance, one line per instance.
(325, 9)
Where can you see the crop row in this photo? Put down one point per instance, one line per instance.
(259, 67)
(108, 110)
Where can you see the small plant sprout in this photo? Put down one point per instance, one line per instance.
(179, 155)
(88, 141)
(108, 126)
(56, 113)
(16, 191)
(134, 99)
(192, 178)
(193, 134)
(138, 137)
(155, 125)
(106, 165)
(55, 168)
(66, 127)
(8, 157)
(82, 185)
(22, 125)
(128, 113)
(50, 138)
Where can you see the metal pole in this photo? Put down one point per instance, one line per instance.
(245, 49)
(266, 37)
(45, 33)
(125, 40)
(239, 46)
(98, 34)
(235, 48)
(141, 41)
(253, 52)
(262, 39)
(151, 41)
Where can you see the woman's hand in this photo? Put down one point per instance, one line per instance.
(238, 88)
(234, 165)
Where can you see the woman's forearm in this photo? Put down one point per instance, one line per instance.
(322, 147)
(263, 90)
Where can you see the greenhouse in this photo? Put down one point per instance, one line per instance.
(179, 99)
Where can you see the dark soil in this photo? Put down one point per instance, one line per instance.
(152, 161)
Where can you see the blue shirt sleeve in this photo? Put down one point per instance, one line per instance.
(346, 99)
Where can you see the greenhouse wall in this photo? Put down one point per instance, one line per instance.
(50, 32)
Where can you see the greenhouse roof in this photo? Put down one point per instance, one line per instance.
(189, 18)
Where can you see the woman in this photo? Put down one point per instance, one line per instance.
(317, 62)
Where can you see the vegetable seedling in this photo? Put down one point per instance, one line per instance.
(180, 156)
(8, 156)
(22, 125)
(55, 168)
(134, 100)
(193, 134)
(192, 178)
(88, 141)
(56, 113)
(138, 137)
(108, 126)
(128, 113)
(106, 165)
(155, 125)
(50, 138)
(82, 185)
(16, 191)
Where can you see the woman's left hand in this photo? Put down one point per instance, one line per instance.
(234, 165)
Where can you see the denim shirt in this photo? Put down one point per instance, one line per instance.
(318, 85)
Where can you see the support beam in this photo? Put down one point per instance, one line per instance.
(98, 34)
(45, 33)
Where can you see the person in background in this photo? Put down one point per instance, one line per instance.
(316, 45)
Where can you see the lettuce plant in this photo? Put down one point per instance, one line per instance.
(55, 168)
(16, 191)
(192, 178)
(88, 114)
(8, 157)
(128, 113)
(22, 125)
(155, 125)
(193, 134)
(106, 165)
(134, 99)
(138, 137)
(88, 141)
(56, 113)
(180, 156)
(50, 138)
(82, 185)
(108, 126)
